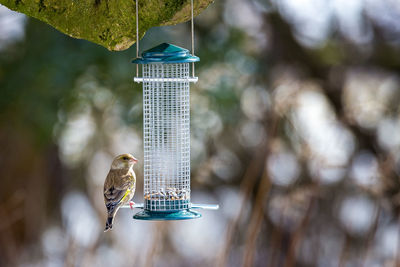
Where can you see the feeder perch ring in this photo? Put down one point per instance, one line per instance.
(171, 215)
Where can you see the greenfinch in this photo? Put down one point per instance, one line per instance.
(119, 186)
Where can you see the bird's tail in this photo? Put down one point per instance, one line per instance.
(109, 222)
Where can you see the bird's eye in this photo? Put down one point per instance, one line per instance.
(125, 158)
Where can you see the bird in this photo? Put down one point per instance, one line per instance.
(119, 186)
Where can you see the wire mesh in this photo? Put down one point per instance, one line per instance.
(166, 125)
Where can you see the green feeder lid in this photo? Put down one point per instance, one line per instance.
(166, 53)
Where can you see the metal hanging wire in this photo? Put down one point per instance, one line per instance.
(192, 32)
(137, 35)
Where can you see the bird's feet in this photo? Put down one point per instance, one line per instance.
(131, 203)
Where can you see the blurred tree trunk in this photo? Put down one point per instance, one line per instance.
(31, 187)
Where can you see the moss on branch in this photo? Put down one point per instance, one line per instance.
(104, 22)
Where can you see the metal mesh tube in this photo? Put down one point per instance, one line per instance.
(166, 126)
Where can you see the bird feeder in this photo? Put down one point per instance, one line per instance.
(166, 82)
(166, 131)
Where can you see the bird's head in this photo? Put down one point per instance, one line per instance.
(124, 161)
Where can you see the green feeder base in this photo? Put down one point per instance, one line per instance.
(166, 216)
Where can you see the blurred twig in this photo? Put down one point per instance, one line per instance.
(398, 246)
(343, 254)
(297, 236)
(70, 254)
(246, 187)
(371, 236)
(256, 220)
(276, 240)
(260, 201)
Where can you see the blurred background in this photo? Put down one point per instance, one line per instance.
(295, 132)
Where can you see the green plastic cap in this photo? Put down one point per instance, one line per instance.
(166, 53)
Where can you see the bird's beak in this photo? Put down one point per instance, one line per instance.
(134, 160)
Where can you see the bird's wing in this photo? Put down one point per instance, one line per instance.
(113, 197)
(116, 188)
